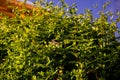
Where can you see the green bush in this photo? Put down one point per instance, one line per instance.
(56, 44)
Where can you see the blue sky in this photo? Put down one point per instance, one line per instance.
(90, 4)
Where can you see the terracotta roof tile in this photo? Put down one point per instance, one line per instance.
(5, 6)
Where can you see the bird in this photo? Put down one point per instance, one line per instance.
(55, 42)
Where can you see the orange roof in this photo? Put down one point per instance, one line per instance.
(5, 6)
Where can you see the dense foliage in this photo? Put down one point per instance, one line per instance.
(55, 43)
